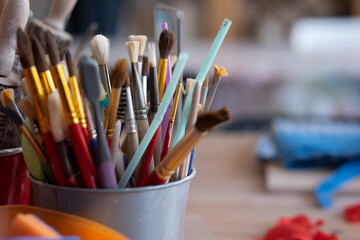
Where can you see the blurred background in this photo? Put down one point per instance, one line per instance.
(297, 58)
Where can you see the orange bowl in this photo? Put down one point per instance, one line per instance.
(65, 224)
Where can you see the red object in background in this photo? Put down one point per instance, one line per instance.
(352, 213)
(297, 228)
(14, 185)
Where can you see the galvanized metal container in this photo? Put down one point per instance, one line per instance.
(155, 212)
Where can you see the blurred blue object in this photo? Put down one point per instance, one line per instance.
(335, 181)
(311, 143)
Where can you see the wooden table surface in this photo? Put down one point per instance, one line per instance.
(228, 199)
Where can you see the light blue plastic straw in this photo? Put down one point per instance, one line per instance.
(180, 132)
(179, 68)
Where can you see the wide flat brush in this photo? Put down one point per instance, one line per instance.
(40, 103)
(218, 74)
(176, 156)
(118, 77)
(104, 165)
(100, 47)
(142, 43)
(82, 153)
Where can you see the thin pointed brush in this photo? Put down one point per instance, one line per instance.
(40, 103)
(166, 43)
(176, 156)
(75, 93)
(144, 73)
(142, 122)
(82, 153)
(100, 47)
(104, 165)
(118, 76)
(218, 74)
(142, 43)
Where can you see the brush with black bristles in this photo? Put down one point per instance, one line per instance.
(136, 91)
(118, 77)
(100, 47)
(177, 155)
(166, 43)
(142, 43)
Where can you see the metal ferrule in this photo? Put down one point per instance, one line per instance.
(38, 94)
(175, 102)
(130, 116)
(65, 95)
(139, 65)
(137, 94)
(48, 82)
(162, 77)
(105, 78)
(90, 121)
(144, 87)
(110, 117)
(76, 96)
(154, 90)
(204, 91)
(174, 158)
(121, 111)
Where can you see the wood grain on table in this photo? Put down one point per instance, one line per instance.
(228, 199)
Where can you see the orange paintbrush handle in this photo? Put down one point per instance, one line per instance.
(166, 144)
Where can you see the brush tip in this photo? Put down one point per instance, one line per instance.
(152, 54)
(7, 95)
(166, 43)
(70, 63)
(52, 48)
(219, 72)
(24, 49)
(119, 73)
(207, 121)
(145, 66)
(133, 50)
(142, 42)
(100, 48)
(39, 55)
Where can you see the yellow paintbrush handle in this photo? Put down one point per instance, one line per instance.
(162, 77)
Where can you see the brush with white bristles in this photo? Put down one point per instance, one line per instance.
(100, 47)
(142, 44)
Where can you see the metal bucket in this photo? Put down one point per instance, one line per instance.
(155, 212)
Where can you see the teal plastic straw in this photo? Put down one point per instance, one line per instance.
(180, 132)
(179, 68)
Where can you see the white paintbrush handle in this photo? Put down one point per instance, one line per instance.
(14, 15)
(59, 12)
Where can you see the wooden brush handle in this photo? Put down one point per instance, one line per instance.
(59, 12)
(83, 156)
(14, 15)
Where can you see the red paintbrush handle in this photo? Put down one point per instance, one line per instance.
(86, 135)
(83, 157)
(147, 158)
(109, 140)
(54, 159)
(151, 180)
(166, 144)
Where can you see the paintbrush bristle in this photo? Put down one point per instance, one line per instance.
(42, 39)
(207, 121)
(24, 87)
(142, 42)
(24, 49)
(7, 95)
(206, 81)
(145, 66)
(152, 54)
(70, 63)
(100, 47)
(27, 106)
(173, 60)
(166, 43)
(189, 83)
(52, 49)
(119, 74)
(133, 50)
(39, 55)
(58, 125)
(219, 72)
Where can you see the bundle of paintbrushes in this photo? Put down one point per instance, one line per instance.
(93, 128)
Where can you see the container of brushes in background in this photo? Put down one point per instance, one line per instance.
(154, 212)
(14, 186)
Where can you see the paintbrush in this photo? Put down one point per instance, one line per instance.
(154, 97)
(75, 93)
(82, 153)
(144, 73)
(183, 170)
(166, 43)
(204, 91)
(136, 91)
(100, 47)
(132, 139)
(40, 103)
(176, 156)
(142, 43)
(61, 137)
(118, 76)
(218, 74)
(115, 141)
(104, 165)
